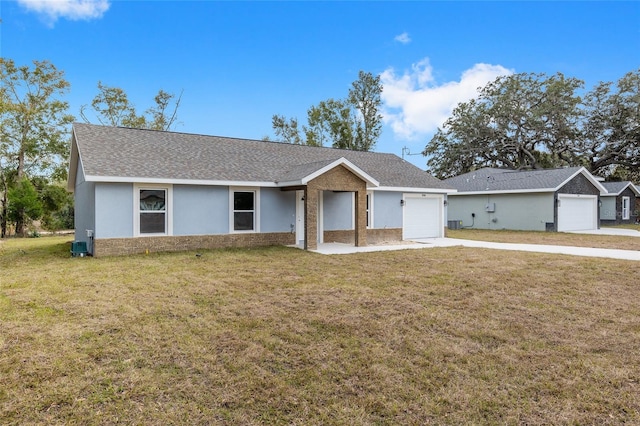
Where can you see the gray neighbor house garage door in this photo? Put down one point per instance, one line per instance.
(422, 216)
(577, 213)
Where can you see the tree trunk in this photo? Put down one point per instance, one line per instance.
(20, 225)
(20, 221)
(5, 205)
(3, 213)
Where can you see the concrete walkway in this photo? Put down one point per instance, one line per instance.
(611, 231)
(337, 248)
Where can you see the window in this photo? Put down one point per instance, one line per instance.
(625, 208)
(244, 210)
(152, 207)
(153, 212)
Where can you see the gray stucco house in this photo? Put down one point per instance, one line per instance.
(142, 190)
(619, 204)
(563, 199)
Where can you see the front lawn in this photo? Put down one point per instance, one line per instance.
(282, 336)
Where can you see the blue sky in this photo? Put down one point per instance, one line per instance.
(239, 63)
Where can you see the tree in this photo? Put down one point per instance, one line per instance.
(286, 130)
(111, 107)
(57, 204)
(353, 123)
(364, 95)
(611, 129)
(517, 121)
(533, 121)
(33, 130)
(25, 204)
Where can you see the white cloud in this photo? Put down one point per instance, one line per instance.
(416, 105)
(74, 10)
(403, 38)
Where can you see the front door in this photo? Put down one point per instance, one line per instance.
(300, 218)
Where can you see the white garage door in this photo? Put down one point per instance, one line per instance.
(577, 213)
(422, 216)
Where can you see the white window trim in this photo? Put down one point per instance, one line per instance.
(370, 212)
(168, 209)
(626, 213)
(256, 208)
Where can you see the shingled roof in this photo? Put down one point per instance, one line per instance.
(616, 188)
(490, 180)
(116, 154)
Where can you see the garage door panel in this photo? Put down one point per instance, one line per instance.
(577, 213)
(422, 217)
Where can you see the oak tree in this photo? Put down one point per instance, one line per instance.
(517, 121)
(536, 121)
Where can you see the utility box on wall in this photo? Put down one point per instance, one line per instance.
(490, 207)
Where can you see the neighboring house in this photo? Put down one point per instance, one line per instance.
(535, 200)
(142, 190)
(619, 205)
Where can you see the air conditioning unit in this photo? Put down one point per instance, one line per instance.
(454, 224)
(490, 207)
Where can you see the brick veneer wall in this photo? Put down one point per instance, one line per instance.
(374, 236)
(124, 246)
(337, 179)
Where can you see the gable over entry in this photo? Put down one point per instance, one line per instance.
(340, 175)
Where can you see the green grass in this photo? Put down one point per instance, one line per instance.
(282, 336)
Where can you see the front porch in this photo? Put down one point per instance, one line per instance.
(337, 177)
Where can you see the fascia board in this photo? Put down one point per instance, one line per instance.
(118, 179)
(411, 189)
(511, 191)
(341, 162)
(73, 163)
(288, 183)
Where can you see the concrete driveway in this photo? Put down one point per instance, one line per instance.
(337, 248)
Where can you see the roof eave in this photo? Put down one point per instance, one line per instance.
(165, 181)
(509, 191)
(415, 189)
(73, 162)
